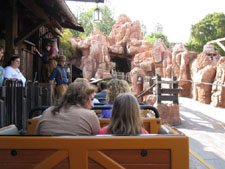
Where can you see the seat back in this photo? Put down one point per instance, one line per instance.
(9, 130)
(152, 125)
(32, 125)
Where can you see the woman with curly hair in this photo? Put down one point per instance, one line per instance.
(126, 118)
(72, 116)
(114, 88)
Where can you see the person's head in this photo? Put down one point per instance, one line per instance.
(61, 60)
(15, 61)
(48, 47)
(1, 52)
(80, 92)
(115, 87)
(102, 85)
(126, 119)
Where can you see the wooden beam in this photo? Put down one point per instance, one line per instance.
(11, 30)
(26, 33)
(96, 1)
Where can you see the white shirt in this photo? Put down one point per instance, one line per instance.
(11, 73)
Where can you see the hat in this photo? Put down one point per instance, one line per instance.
(61, 58)
(94, 80)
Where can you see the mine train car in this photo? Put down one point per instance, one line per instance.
(163, 148)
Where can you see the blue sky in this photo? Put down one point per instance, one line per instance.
(176, 16)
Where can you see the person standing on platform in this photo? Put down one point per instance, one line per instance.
(53, 57)
(2, 70)
(45, 71)
(59, 78)
(13, 72)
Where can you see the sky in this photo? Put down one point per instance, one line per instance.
(175, 16)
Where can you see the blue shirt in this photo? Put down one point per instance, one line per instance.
(60, 77)
(106, 113)
(2, 72)
(101, 96)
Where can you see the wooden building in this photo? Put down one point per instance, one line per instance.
(26, 24)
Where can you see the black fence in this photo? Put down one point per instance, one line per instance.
(17, 100)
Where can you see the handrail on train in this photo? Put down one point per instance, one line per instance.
(96, 107)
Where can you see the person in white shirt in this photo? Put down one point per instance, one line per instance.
(12, 71)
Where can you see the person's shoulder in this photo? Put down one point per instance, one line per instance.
(48, 110)
(8, 68)
(81, 109)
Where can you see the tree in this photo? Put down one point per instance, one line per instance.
(209, 28)
(86, 20)
(65, 44)
(157, 35)
(105, 25)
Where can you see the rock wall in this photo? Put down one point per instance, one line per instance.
(195, 72)
(218, 88)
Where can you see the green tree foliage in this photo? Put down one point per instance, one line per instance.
(65, 44)
(106, 23)
(157, 35)
(209, 28)
(86, 20)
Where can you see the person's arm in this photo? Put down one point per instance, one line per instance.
(143, 131)
(94, 124)
(38, 52)
(52, 76)
(103, 130)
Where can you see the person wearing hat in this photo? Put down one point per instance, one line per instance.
(59, 78)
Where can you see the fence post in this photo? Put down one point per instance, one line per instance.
(2, 106)
(158, 89)
(175, 87)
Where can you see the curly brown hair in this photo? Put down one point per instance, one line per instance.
(115, 87)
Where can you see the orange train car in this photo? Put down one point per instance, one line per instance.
(160, 151)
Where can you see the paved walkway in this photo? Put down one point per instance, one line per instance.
(205, 126)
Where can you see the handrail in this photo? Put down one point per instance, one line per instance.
(96, 107)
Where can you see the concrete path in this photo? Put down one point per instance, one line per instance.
(205, 126)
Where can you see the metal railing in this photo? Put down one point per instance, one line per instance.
(17, 100)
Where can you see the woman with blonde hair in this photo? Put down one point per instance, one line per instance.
(72, 116)
(126, 119)
(114, 88)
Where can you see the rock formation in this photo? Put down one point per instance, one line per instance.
(195, 72)
(218, 88)
(204, 71)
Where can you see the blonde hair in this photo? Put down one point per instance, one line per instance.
(115, 87)
(126, 119)
(78, 93)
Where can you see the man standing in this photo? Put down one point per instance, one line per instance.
(59, 78)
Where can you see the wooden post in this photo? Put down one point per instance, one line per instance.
(140, 86)
(175, 87)
(158, 89)
(11, 30)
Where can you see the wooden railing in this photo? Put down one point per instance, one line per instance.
(166, 90)
(95, 152)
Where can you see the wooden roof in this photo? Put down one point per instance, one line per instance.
(54, 12)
